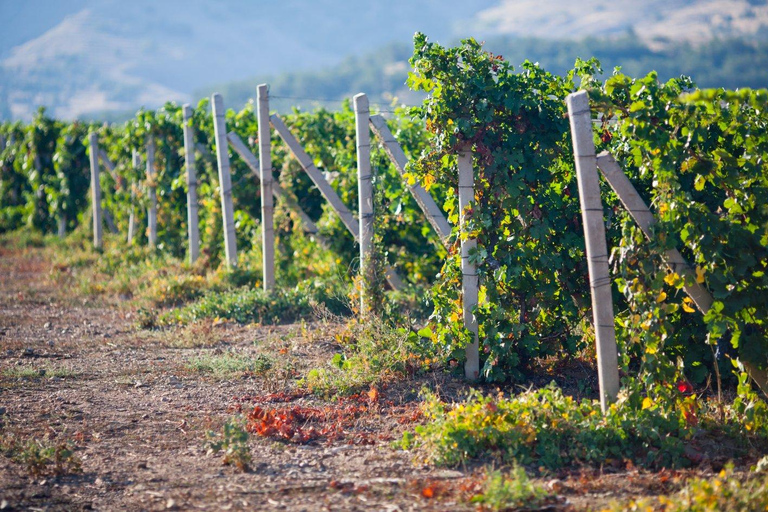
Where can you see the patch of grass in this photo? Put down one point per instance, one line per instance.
(511, 491)
(25, 237)
(230, 365)
(251, 305)
(723, 493)
(547, 428)
(27, 372)
(233, 442)
(372, 353)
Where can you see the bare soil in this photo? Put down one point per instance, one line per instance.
(138, 416)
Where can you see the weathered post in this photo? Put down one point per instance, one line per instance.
(325, 188)
(423, 199)
(62, 220)
(152, 211)
(365, 193)
(469, 277)
(136, 162)
(597, 250)
(93, 139)
(265, 179)
(225, 182)
(189, 159)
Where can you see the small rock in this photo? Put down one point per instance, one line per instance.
(141, 465)
(139, 384)
(4, 505)
(29, 352)
(171, 503)
(555, 485)
(47, 325)
(3, 410)
(98, 482)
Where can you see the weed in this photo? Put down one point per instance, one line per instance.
(41, 458)
(233, 441)
(230, 365)
(372, 353)
(26, 372)
(511, 491)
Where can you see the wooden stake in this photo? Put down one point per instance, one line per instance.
(265, 175)
(433, 212)
(93, 139)
(597, 251)
(225, 182)
(108, 165)
(136, 161)
(277, 191)
(365, 196)
(469, 279)
(192, 206)
(325, 189)
(62, 225)
(152, 212)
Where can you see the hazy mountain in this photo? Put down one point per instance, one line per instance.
(80, 57)
(652, 21)
(117, 54)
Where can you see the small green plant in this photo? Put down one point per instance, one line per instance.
(42, 458)
(233, 442)
(230, 365)
(511, 491)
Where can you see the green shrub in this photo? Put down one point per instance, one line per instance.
(547, 428)
(249, 305)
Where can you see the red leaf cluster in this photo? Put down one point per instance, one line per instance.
(336, 422)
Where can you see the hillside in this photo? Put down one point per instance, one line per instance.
(113, 55)
(655, 22)
(382, 74)
(101, 57)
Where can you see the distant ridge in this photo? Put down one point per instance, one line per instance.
(107, 56)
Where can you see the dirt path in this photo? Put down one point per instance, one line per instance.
(138, 416)
(137, 412)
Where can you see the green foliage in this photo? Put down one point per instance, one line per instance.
(547, 428)
(233, 441)
(525, 218)
(42, 458)
(697, 156)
